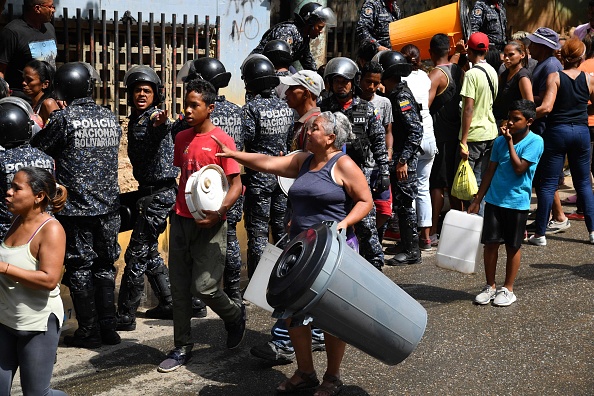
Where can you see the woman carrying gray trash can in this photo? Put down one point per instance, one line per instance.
(329, 186)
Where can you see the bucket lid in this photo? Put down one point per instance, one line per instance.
(298, 267)
(286, 182)
(206, 190)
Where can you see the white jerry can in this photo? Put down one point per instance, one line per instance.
(459, 246)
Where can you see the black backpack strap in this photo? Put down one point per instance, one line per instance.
(489, 80)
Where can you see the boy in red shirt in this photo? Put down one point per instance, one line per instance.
(197, 248)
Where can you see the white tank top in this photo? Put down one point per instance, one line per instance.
(23, 308)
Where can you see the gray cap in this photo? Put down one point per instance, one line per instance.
(546, 37)
(308, 79)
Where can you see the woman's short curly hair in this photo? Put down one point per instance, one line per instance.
(338, 124)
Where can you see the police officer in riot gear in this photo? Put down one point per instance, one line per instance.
(150, 150)
(490, 17)
(366, 145)
(15, 131)
(373, 26)
(307, 25)
(407, 143)
(227, 116)
(84, 140)
(279, 53)
(267, 127)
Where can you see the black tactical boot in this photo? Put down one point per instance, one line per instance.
(159, 280)
(87, 335)
(409, 239)
(106, 310)
(131, 290)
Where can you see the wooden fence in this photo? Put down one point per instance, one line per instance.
(342, 41)
(112, 46)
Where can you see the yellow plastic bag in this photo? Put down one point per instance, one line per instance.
(464, 186)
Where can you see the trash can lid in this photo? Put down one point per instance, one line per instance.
(285, 183)
(206, 189)
(298, 267)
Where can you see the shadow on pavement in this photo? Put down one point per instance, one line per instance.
(585, 271)
(435, 294)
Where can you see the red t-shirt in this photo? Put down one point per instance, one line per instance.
(193, 151)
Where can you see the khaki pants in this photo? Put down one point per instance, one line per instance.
(196, 264)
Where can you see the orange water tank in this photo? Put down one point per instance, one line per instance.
(452, 20)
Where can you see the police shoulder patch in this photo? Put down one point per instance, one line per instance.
(477, 12)
(405, 105)
(368, 11)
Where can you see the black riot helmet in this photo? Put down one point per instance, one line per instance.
(279, 53)
(393, 63)
(258, 74)
(74, 80)
(312, 12)
(143, 74)
(15, 122)
(343, 67)
(209, 69)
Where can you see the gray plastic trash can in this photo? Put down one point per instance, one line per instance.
(319, 276)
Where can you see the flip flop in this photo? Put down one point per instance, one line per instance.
(571, 200)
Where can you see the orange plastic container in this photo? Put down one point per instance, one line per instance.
(452, 20)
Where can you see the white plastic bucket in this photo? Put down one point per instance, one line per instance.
(459, 246)
(256, 289)
(206, 189)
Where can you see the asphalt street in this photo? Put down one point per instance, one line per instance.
(542, 344)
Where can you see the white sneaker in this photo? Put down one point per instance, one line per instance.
(592, 237)
(504, 297)
(486, 295)
(557, 226)
(538, 241)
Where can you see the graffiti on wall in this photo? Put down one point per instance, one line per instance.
(245, 24)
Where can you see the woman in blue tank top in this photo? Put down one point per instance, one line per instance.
(567, 133)
(328, 186)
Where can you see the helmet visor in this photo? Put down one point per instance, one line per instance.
(186, 69)
(95, 77)
(327, 15)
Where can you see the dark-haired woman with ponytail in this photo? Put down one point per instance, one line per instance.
(31, 262)
(38, 77)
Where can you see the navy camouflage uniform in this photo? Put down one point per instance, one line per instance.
(490, 17)
(289, 32)
(267, 128)
(366, 230)
(11, 160)
(84, 140)
(373, 24)
(407, 142)
(150, 150)
(227, 116)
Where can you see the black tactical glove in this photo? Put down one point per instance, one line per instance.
(382, 183)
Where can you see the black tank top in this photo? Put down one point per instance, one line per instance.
(445, 109)
(571, 104)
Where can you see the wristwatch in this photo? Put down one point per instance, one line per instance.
(402, 161)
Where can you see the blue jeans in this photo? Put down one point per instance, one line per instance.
(560, 140)
(280, 335)
(34, 352)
